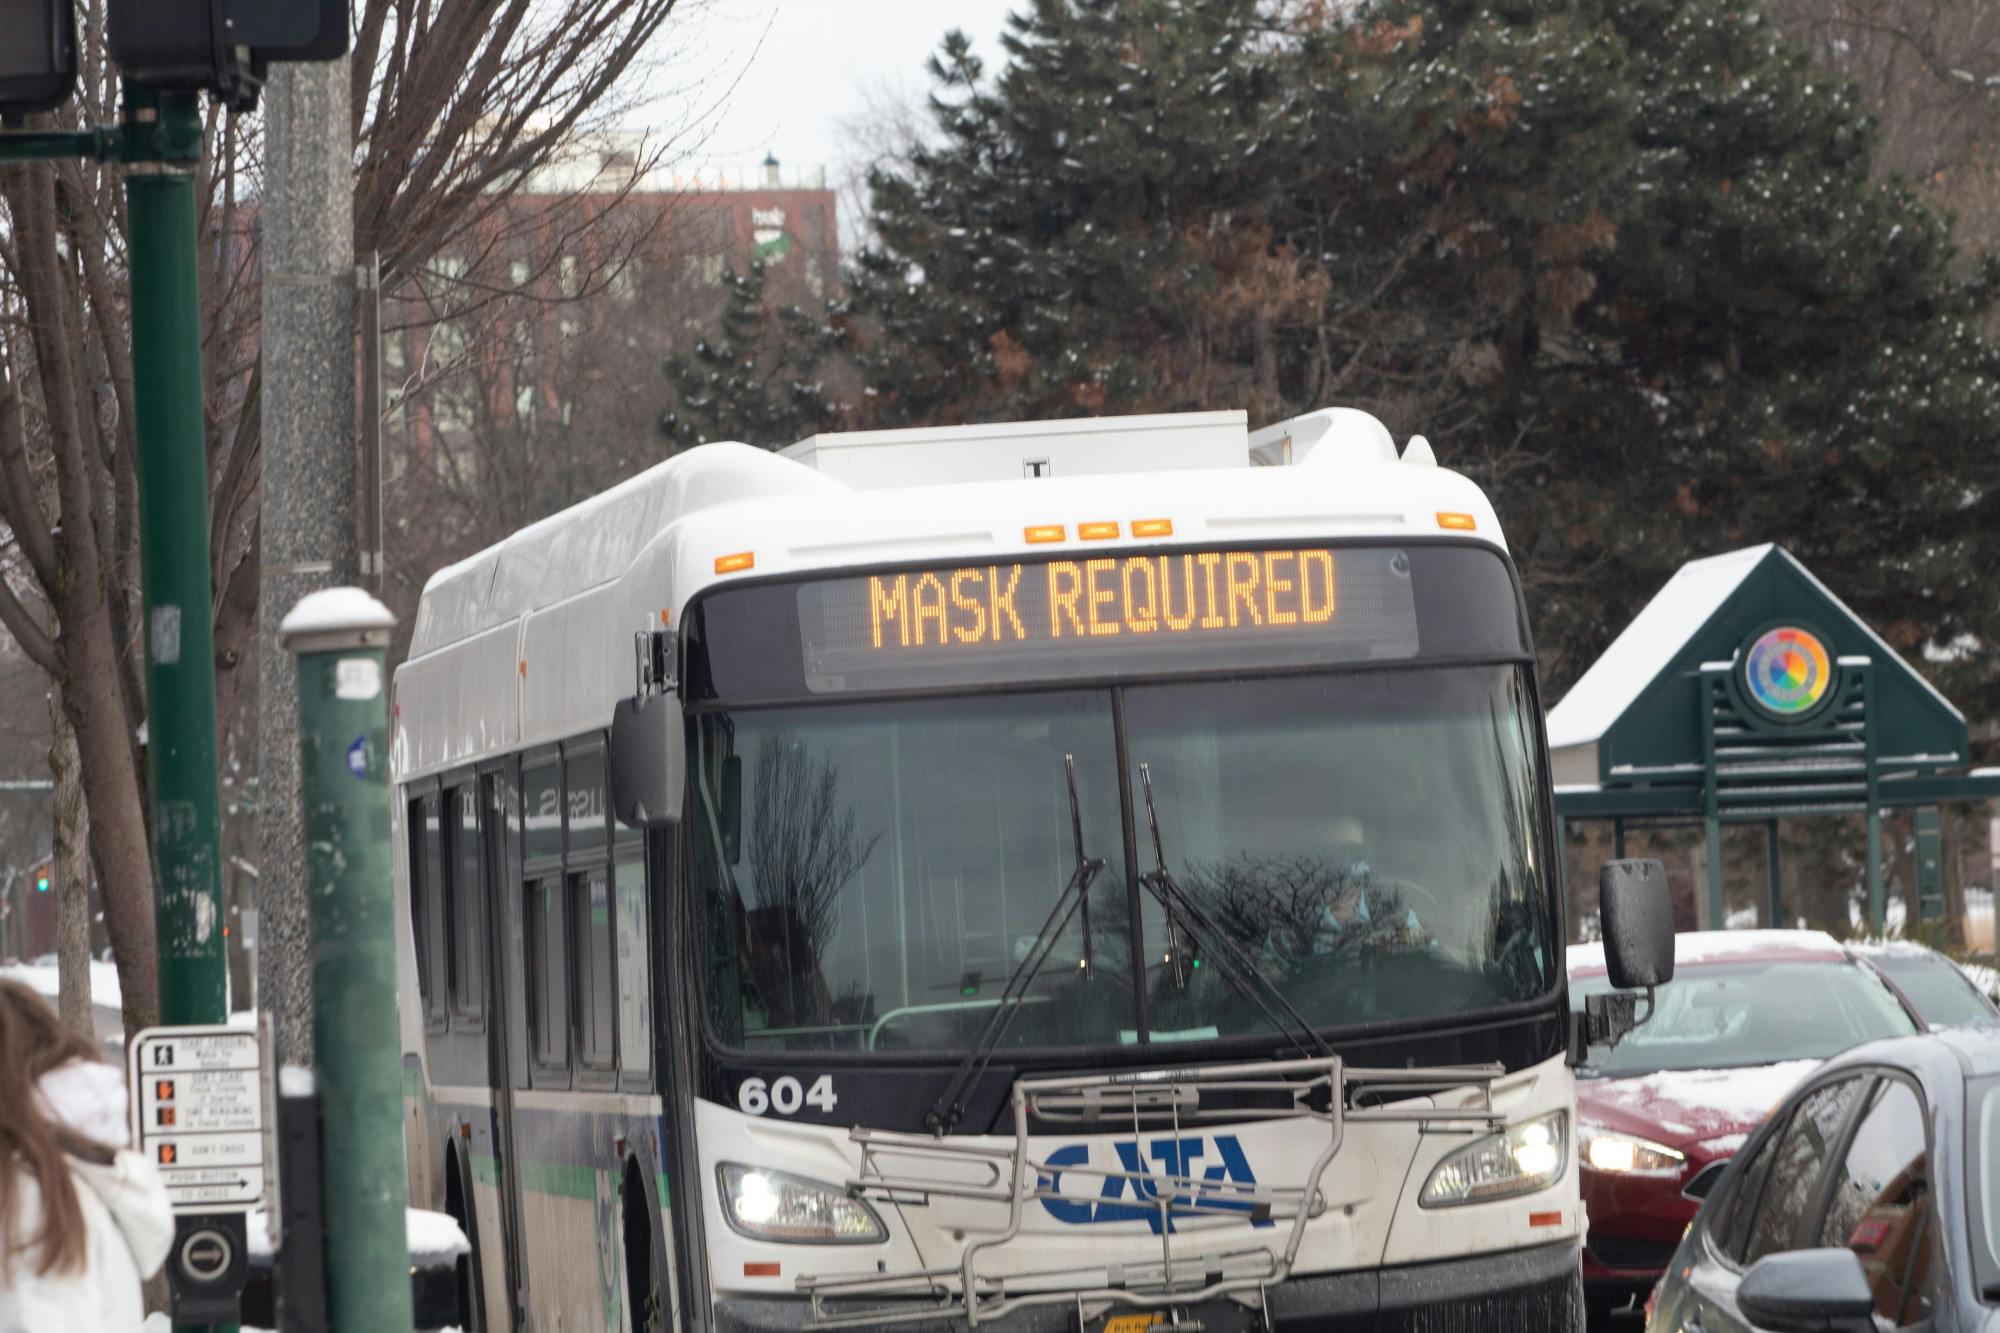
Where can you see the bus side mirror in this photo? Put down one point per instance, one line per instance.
(1638, 917)
(648, 760)
(730, 816)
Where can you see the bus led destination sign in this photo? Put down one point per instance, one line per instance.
(1081, 616)
(1171, 594)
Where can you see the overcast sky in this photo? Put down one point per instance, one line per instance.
(782, 76)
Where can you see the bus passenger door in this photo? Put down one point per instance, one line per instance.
(501, 817)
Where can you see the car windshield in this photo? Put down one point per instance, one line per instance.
(1369, 844)
(1941, 993)
(1721, 1016)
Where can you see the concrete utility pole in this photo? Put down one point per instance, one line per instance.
(309, 482)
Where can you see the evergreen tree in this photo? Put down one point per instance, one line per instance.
(1621, 259)
(760, 380)
(1767, 345)
(1096, 229)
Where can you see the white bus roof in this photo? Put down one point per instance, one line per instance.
(530, 640)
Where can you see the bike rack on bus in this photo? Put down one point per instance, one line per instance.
(1319, 1089)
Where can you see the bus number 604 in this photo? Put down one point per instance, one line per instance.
(785, 1095)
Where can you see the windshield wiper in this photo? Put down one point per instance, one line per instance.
(949, 1108)
(1236, 967)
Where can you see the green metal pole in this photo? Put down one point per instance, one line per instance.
(1774, 870)
(1876, 913)
(163, 139)
(1930, 864)
(340, 636)
(1715, 912)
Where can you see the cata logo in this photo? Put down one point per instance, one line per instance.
(1136, 1197)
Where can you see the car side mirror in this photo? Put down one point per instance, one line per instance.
(648, 760)
(1825, 1291)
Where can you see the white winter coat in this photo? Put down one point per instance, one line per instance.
(126, 1215)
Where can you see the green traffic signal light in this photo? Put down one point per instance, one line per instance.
(41, 884)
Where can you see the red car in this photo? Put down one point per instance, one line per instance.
(1748, 1014)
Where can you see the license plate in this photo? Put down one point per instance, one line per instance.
(1133, 1323)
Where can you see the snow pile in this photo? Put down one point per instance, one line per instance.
(42, 976)
(1895, 915)
(434, 1240)
(257, 1227)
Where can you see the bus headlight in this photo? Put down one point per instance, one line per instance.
(771, 1205)
(1625, 1154)
(1527, 1157)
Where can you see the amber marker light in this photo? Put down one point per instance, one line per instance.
(735, 564)
(1152, 527)
(1458, 522)
(1044, 532)
(1097, 532)
(1545, 1219)
(760, 1270)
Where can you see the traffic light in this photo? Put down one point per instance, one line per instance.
(221, 46)
(42, 877)
(37, 55)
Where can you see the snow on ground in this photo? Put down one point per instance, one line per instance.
(42, 976)
(1740, 1095)
(1895, 915)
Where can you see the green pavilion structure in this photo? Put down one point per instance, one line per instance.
(1747, 692)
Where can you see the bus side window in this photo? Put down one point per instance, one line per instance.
(414, 831)
(590, 936)
(548, 982)
(466, 911)
(635, 997)
(432, 936)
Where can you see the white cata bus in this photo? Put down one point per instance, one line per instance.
(1089, 874)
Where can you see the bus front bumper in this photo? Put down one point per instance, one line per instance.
(1529, 1290)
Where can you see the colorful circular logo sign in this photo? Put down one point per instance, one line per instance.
(1788, 672)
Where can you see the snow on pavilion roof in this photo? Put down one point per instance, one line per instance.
(1659, 635)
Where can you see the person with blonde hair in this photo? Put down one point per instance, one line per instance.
(83, 1220)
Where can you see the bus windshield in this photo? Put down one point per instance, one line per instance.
(870, 874)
